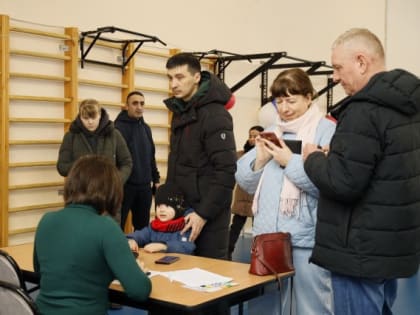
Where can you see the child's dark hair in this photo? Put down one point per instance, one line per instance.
(257, 127)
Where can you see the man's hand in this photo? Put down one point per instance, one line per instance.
(311, 147)
(194, 222)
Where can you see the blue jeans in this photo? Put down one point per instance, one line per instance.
(312, 287)
(362, 295)
(312, 290)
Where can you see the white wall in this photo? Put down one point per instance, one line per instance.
(402, 36)
(303, 28)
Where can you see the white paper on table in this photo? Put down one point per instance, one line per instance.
(196, 277)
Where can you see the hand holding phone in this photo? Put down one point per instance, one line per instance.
(271, 136)
(167, 260)
(294, 145)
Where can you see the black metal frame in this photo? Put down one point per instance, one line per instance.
(98, 35)
(222, 60)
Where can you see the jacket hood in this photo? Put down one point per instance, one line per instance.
(123, 117)
(218, 91)
(211, 90)
(105, 125)
(397, 89)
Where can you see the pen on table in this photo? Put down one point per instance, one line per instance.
(216, 284)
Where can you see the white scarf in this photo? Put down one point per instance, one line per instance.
(305, 128)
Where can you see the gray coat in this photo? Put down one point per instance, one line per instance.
(109, 142)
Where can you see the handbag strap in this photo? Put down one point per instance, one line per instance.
(269, 267)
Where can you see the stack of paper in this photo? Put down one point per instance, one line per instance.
(198, 279)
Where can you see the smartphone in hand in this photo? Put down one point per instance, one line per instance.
(271, 136)
(294, 145)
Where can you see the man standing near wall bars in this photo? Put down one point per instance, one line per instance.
(202, 157)
(138, 188)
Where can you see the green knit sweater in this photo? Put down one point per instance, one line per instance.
(78, 253)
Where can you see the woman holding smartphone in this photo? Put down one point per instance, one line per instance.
(284, 198)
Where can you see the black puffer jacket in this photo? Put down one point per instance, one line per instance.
(202, 160)
(369, 206)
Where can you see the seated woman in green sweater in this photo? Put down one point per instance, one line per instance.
(80, 249)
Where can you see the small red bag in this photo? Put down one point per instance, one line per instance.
(271, 253)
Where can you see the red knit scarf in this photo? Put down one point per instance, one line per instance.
(168, 226)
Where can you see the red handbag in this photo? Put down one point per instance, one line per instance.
(271, 253)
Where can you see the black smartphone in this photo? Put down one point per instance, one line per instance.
(294, 145)
(166, 260)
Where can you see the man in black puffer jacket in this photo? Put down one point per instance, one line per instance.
(368, 229)
(202, 157)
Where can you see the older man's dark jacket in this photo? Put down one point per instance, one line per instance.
(202, 160)
(369, 207)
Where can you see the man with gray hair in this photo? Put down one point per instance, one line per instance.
(368, 227)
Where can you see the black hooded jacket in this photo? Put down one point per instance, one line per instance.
(369, 207)
(138, 135)
(202, 159)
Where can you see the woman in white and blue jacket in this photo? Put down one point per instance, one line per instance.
(284, 198)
